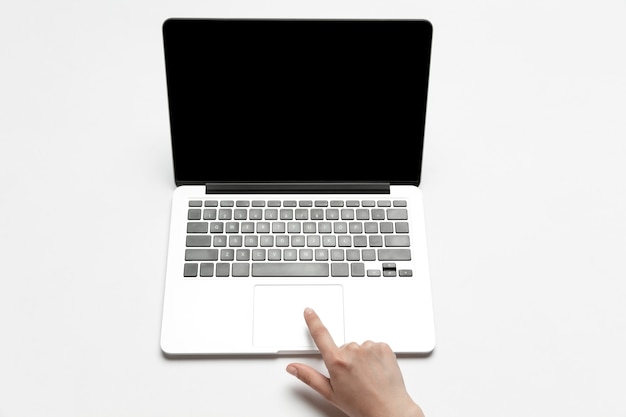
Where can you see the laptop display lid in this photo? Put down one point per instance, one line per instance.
(258, 100)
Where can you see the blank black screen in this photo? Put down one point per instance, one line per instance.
(297, 100)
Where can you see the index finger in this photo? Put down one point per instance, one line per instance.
(320, 334)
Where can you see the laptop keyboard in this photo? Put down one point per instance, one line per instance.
(288, 238)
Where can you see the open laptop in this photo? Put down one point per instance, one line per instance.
(297, 151)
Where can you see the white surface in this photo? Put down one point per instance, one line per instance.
(523, 186)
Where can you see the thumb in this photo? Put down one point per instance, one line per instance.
(312, 378)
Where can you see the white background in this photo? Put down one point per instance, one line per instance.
(524, 183)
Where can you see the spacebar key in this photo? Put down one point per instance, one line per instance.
(289, 269)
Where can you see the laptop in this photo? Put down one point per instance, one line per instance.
(297, 148)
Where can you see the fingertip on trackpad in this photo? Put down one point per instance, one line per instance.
(278, 315)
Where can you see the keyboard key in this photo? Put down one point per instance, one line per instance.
(384, 203)
(242, 203)
(200, 240)
(232, 227)
(195, 203)
(353, 255)
(227, 203)
(227, 255)
(305, 254)
(337, 254)
(321, 254)
(194, 214)
(241, 269)
(197, 227)
(206, 269)
(345, 241)
(290, 269)
(225, 214)
(378, 214)
(399, 203)
(402, 227)
(263, 227)
(405, 273)
(217, 227)
(394, 254)
(348, 214)
(210, 203)
(191, 270)
(324, 227)
(339, 269)
(294, 227)
(242, 255)
(219, 241)
(357, 269)
(368, 254)
(258, 254)
(251, 241)
(340, 227)
(256, 214)
(209, 214)
(376, 241)
(278, 227)
(397, 241)
(368, 203)
(397, 214)
(222, 269)
(200, 254)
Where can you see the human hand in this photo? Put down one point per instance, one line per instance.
(364, 380)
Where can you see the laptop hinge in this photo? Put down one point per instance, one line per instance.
(297, 188)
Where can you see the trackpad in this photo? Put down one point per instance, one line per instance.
(279, 320)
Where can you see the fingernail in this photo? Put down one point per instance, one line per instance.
(308, 310)
(292, 370)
